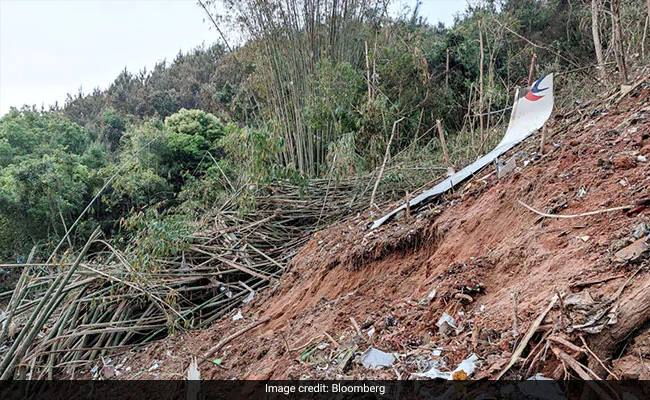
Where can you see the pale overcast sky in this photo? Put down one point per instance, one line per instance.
(49, 48)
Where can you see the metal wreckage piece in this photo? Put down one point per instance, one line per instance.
(529, 114)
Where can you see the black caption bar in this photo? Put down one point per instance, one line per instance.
(340, 390)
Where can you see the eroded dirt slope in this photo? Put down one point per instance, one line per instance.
(479, 256)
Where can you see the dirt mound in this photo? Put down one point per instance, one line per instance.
(479, 258)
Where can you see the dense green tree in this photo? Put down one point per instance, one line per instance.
(47, 175)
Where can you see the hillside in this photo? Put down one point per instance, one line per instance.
(220, 206)
(480, 257)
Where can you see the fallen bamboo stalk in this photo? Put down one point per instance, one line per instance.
(19, 292)
(16, 353)
(85, 313)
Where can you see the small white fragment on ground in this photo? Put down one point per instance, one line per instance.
(432, 295)
(434, 373)
(641, 158)
(375, 359)
(446, 323)
(436, 352)
(251, 293)
(468, 366)
(193, 373)
(249, 297)
(194, 376)
(539, 377)
(323, 346)
(238, 316)
(370, 332)
(154, 366)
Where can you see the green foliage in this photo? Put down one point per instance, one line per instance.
(113, 126)
(195, 123)
(342, 157)
(313, 93)
(46, 176)
(27, 132)
(153, 235)
(254, 152)
(163, 157)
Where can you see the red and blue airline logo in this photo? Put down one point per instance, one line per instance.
(532, 95)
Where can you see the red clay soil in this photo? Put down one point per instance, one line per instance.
(479, 256)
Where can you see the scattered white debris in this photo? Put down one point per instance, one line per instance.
(238, 316)
(193, 373)
(155, 365)
(582, 192)
(446, 323)
(370, 332)
(375, 359)
(436, 352)
(225, 289)
(468, 366)
(434, 373)
(641, 158)
(249, 297)
(539, 377)
(251, 293)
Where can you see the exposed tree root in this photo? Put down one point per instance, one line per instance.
(633, 312)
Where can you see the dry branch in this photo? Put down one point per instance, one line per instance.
(232, 337)
(575, 215)
(524, 342)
